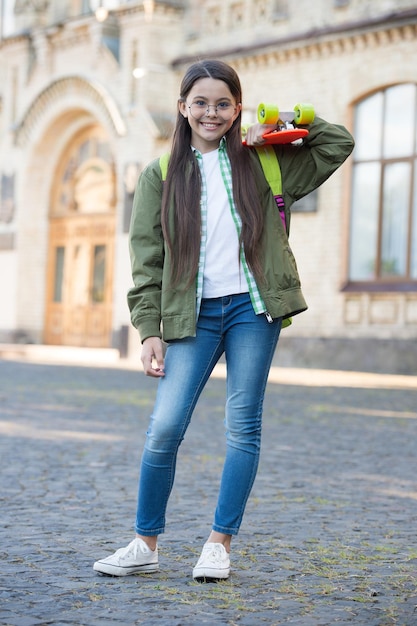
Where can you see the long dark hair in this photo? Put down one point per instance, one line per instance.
(182, 189)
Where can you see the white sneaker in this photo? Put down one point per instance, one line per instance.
(214, 562)
(136, 557)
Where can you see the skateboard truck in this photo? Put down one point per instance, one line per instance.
(285, 121)
(270, 114)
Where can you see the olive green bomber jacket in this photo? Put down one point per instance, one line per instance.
(159, 310)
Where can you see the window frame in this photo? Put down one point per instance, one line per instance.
(381, 282)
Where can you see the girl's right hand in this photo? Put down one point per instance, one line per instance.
(153, 354)
(255, 132)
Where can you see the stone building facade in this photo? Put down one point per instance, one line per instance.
(88, 92)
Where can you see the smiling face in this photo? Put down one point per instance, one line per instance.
(216, 110)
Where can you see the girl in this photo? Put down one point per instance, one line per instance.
(213, 274)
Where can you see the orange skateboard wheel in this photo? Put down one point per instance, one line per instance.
(268, 113)
(304, 113)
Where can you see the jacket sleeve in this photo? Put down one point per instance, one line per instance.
(306, 167)
(146, 247)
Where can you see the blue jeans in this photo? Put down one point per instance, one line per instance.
(226, 325)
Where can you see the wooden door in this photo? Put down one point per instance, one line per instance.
(79, 311)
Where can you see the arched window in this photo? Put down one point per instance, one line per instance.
(383, 227)
(85, 177)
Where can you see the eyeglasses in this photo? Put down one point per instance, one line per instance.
(199, 109)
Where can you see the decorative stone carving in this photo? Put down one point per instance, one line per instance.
(21, 6)
(56, 92)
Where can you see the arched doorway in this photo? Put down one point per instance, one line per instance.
(81, 244)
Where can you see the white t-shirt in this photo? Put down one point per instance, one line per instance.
(223, 274)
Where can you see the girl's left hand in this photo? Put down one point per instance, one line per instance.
(153, 351)
(254, 134)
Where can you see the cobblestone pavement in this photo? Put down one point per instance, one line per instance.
(329, 536)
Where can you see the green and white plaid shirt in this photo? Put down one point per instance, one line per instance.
(226, 171)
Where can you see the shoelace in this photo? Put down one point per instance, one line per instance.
(213, 554)
(132, 549)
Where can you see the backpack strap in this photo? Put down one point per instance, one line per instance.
(272, 173)
(271, 168)
(163, 164)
